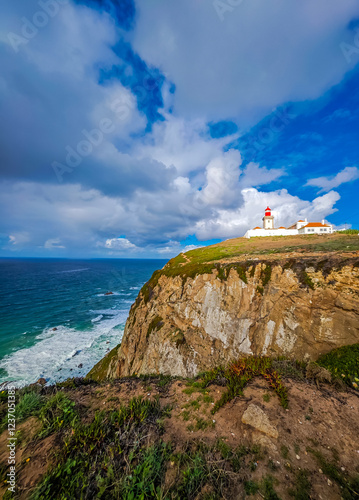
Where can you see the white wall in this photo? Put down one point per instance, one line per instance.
(316, 230)
(270, 232)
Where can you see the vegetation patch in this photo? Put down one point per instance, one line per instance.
(306, 280)
(57, 413)
(290, 368)
(343, 363)
(349, 231)
(156, 324)
(238, 375)
(99, 371)
(266, 274)
(106, 458)
(28, 405)
(349, 485)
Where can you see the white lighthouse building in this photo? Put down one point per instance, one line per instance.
(299, 227)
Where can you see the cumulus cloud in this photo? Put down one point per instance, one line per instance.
(139, 187)
(348, 174)
(87, 220)
(52, 99)
(253, 58)
(120, 244)
(285, 208)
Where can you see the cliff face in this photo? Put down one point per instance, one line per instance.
(191, 317)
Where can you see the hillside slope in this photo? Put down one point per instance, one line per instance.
(160, 437)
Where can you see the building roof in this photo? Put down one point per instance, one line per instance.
(257, 228)
(281, 227)
(301, 220)
(316, 224)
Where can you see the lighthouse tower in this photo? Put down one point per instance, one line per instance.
(268, 219)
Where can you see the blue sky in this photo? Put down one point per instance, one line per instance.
(141, 129)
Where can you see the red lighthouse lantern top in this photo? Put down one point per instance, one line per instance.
(268, 212)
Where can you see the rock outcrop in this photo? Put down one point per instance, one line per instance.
(191, 317)
(255, 417)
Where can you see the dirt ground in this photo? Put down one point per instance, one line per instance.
(320, 418)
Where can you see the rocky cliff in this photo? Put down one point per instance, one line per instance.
(211, 305)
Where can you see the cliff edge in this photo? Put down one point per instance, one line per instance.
(291, 296)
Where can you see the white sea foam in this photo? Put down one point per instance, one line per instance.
(58, 354)
(98, 318)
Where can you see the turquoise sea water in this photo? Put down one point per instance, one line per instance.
(56, 320)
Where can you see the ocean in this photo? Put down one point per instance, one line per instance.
(57, 318)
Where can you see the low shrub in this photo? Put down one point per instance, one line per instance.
(239, 373)
(343, 363)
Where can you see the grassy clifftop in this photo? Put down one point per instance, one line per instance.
(241, 252)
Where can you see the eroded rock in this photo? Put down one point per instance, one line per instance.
(258, 419)
(301, 311)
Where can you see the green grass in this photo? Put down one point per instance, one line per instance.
(251, 487)
(343, 363)
(28, 405)
(106, 458)
(267, 488)
(164, 380)
(57, 413)
(200, 424)
(302, 487)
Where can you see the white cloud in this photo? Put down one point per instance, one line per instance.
(262, 55)
(51, 95)
(182, 143)
(19, 238)
(158, 187)
(285, 208)
(120, 244)
(222, 179)
(348, 174)
(87, 221)
(53, 244)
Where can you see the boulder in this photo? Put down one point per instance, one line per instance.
(257, 418)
